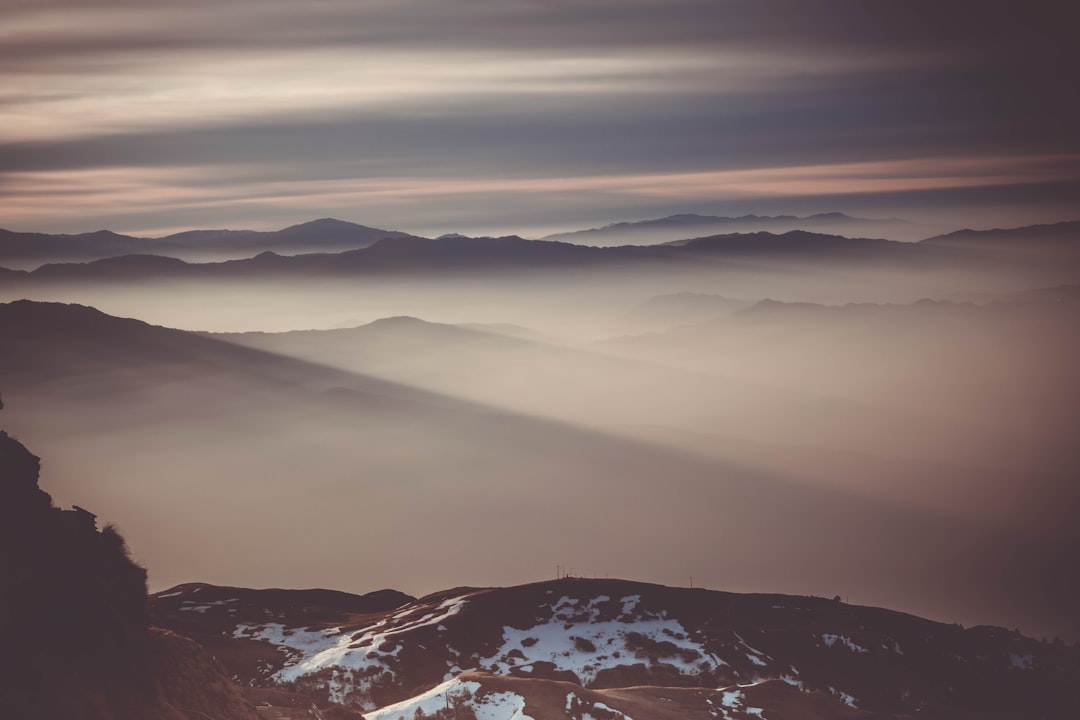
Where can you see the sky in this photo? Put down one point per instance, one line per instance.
(532, 116)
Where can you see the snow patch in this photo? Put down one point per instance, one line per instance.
(754, 656)
(733, 700)
(793, 681)
(576, 706)
(830, 640)
(573, 639)
(430, 702)
(359, 658)
(846, 698)
(456, 693)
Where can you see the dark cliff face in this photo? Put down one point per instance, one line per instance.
(74, 623)
(65, 584)
(19, 480)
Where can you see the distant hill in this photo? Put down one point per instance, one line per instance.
(1056, 238)
(322, 235)
(573, 648)
(688, 225)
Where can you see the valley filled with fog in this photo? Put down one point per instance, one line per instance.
(802, 413)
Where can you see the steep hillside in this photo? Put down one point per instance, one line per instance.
(575, 647)
(73, 620)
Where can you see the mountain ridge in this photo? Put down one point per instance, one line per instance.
(320, 234)
(609, 636)
(657, 229)
(455, 255)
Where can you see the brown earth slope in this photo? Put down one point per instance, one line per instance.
(626, 644)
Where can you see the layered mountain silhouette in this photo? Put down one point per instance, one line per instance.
(331, 235)
(463, 256)
(1059, 238)
(322, 235)
(689, 225)
(574, 648)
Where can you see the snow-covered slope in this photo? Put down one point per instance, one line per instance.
(504, 652)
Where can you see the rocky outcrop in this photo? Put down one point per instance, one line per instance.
(74, 626)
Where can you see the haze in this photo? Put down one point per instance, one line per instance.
(818, 412)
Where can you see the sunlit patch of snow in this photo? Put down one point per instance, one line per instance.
(575, 703)
(430, 702)
(453, 663)
(359, 657)
(794, 682)
(172, 594)
(602, 706)
(755, 656)
(847, 698)
(830, 640)
(486, 706)
(500, 706)
(573, 625)
(733, 700)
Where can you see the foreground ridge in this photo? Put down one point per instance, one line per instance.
(580, 648)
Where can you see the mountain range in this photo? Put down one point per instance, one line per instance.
(330, 235)
(749, 443)
(397, 254)
(689, 225)
(323, 235)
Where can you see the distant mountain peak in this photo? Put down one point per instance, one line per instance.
(398, 321)
(324, 224)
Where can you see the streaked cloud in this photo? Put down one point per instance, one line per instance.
(332, 101)
(76, 194)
